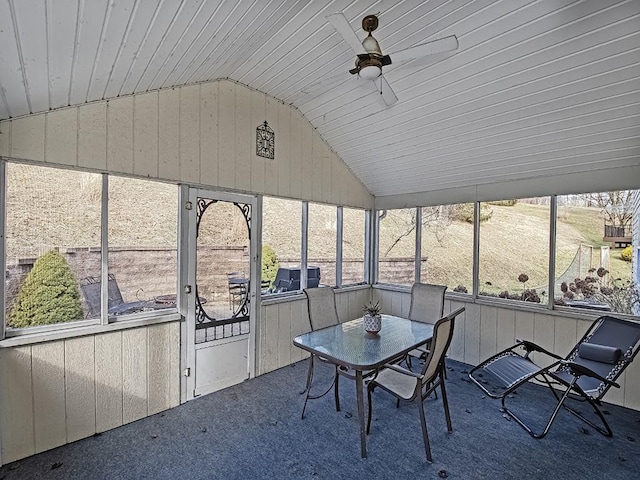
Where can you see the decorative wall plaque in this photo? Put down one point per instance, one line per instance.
(265, 141)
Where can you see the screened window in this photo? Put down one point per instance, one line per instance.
(54, 246)
(52, 243)
(514, 249)
(353, 245)
(447, 246)
(321, 244)
(397, 246)
(143, 222)
(594, 251)
(281, 242)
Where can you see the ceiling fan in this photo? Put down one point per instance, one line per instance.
(369, 64)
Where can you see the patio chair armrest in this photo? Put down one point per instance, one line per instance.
(580, 370)
(533, 347)
(397, 368)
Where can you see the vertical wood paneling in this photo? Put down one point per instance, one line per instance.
(159, 368)
(48, 395)
(336, 194)
(190, 134)
(175, 372)
(543, 335)
(632, 386)
(306, 159)
(565, 335)
(169, 134)
(317, 167)
(27, 137)
(61, 144)
(456, 350)
(108, 381)
(120, 135)
(488, 331)
(209, 133)
(134, 374)
(405, 305)
(473, 315)
(506, 329)
(92, 136)
(299, 325)
(145, 134)
(269, 342)
(524, 325)
(261, 356)
(5, 138)
(258, 164)
(16, 401)
(244, 139)
(284, 152)
(79, 358)
(295, 153)
(57, 392)
(327, 169)
(271, 166)
(284, 336)
(226, 126)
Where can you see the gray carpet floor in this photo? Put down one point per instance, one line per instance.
(254, 431)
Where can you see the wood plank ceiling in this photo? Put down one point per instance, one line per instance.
(536, 88)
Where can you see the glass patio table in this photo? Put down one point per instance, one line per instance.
(349, 345)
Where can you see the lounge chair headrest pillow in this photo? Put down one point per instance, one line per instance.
(599, 353)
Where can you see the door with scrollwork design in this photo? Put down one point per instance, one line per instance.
(220, 300)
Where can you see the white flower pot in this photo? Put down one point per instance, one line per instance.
(372, 324)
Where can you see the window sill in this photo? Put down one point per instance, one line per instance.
(73, 332)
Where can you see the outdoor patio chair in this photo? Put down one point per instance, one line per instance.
(91, 289)
(427, 306)
(237, 284)
(321, 304)
(415, 387)
(585, 374)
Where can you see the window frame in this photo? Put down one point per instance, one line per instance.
(40, 333)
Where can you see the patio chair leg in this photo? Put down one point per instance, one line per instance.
(369, 390)
(425, 434)
(445, 404)
(551, 418)
(335, 392)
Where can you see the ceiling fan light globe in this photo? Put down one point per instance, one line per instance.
(370, 45)
(370, 72)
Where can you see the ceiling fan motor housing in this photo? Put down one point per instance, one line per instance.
(369, 23)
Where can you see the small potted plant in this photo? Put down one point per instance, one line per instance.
(372, 318)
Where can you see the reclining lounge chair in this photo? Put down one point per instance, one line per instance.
(585, 374)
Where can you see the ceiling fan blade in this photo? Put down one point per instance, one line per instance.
(342, 26)
(445, 44)
(388, 95)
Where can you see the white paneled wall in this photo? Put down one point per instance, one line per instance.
(57, 392)
(282, 321)
(203, 134)
(484, 330)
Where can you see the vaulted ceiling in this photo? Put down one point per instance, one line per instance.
(535, 89)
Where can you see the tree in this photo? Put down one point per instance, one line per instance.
(270, 264)
(615, 206)
(48, 295)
